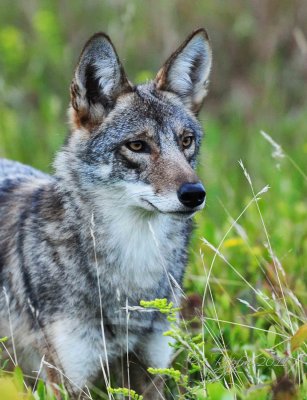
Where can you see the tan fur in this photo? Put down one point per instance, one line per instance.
(166, 175)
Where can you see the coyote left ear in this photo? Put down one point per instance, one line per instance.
(187, 71)
(99, 79)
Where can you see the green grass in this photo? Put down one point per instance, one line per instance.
(246, 283)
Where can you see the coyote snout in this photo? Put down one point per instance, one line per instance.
(173, 179)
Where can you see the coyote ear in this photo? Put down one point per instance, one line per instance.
(99, 79)
(187, 70)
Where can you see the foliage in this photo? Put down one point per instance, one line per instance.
(125, 392)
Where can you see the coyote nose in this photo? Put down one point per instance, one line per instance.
(191, 194)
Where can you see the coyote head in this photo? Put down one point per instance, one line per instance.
(137, 145)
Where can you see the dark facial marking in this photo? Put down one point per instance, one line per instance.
(93, 94)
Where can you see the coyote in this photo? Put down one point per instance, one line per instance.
(81, 248)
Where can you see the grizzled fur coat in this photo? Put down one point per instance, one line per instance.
(80, 249)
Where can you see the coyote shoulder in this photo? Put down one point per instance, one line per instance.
(80, 249)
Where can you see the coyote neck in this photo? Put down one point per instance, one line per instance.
(136, 245)
(131, 249)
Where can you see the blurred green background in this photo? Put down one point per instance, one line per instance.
(259, 82)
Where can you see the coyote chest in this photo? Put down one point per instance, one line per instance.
(139, 249)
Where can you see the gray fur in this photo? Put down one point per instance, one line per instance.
(108, 215)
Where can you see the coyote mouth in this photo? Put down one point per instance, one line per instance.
(182, 213)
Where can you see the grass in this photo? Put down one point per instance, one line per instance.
(243, 331)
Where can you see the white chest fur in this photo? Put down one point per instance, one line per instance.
(140, 248)
(137, 247)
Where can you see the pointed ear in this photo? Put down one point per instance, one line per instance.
(99, 80)
(187, 71)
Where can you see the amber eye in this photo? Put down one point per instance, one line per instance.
(137, 146)
(187, 141)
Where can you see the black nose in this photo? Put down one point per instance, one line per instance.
(191, 194)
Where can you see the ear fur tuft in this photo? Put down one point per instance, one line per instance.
(99, 79)
(186, 72)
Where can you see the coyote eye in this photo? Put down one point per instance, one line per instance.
(187, 141)
(138, 146)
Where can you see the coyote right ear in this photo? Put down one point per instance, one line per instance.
(99, 79)
(186, 72)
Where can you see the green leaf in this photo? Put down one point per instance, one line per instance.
(217, 391)
(299, 338)
(271, 336)
(41, 390)
(18, 378)
(260, 393)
